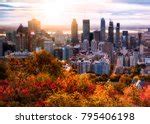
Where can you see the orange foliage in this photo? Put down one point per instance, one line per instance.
(40, 81)
(145, 96)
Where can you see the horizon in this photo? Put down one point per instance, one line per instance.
(61, 13)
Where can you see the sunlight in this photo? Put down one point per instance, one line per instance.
(53, 8)
(53, 11)
(56, 12)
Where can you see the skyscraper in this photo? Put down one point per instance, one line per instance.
(34, 25)
(117, 40)
(85, 45)
(111, 32)
(67, 52)
(22, 42)
(125, 39)
(86, 30)
(91, 38)
(96, 36)
(94, 46)
(133, 43)
(1, 47)
(103, 30)
(74, 32)
(139, 39)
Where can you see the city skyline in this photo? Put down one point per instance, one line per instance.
(99, 61)
(55, 12)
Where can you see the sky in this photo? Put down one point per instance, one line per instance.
(61, 12)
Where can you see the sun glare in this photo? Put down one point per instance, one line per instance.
(56, 12)
(53, 11)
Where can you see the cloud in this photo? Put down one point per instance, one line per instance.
(133, 1)
(24, 1)
(123, 11)
(5, 5)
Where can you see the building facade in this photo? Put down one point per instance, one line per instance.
(74, 32)
(22, 41)
(49, 46)
(117, 38)
(67, 52)
(125, 39)
(1, 47)
(103, 30)
(34, 25)
(96, 36)
(86, 30)
(94, 46)
(85, 45)
(111, 32)
(83, 66)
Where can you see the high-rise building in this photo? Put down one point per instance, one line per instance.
(136, 56)
(22, 42)
(139, 39)
(34, 25)
(49, 46)
(96, 36)
(97, 67)
(86, 30)
(11, 36)
(117, 40)
(111, 32)
(58, 53)
(127, 60)
(125, 39)
(8, 47)
(103, 30)
(146, 35)
(85, 45)
(60, 38)
(101, 67)
(74, 32)
(94, 46)
(91, 37)
(132, 43)
(67, 52)
(1, 47)
(106, 47)
(76, 49)
(120, 60)
(132, 63)
(83, 66)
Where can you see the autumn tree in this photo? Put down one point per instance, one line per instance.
(39, 62)
(3, 71)
(125, 79)
(115, 77)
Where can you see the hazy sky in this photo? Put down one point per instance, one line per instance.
(61, 12)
